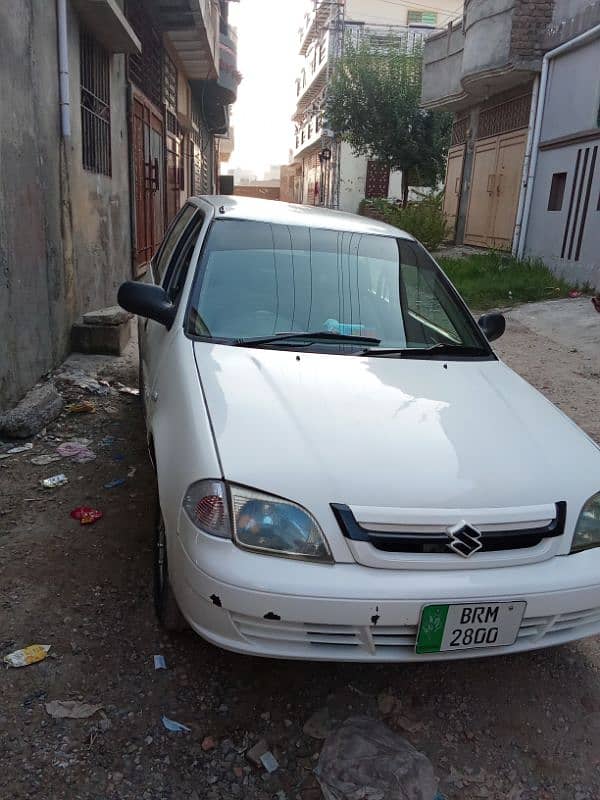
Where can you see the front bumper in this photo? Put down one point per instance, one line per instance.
(274, 607)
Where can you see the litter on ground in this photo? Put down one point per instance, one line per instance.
(77, 451)
(23, 448)
(71, 709)
(269, 761)
(82, 407)
(54, 481)
(174, 727)
(159, 662)
(43, 461)
(86, 515)
(122, 389)
(363, 752)
(114, 483)
(28, 655)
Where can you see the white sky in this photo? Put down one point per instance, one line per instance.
(268, 61)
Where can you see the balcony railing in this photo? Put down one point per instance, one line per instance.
(309, 133)
(229, 77)
(313, 76)
(312, 24)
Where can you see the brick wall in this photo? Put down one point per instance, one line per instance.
(529, 23)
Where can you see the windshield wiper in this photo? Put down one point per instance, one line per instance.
(311, 336)
(439, 349)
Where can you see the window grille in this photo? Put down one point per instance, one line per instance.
(508, 116)
(95, 105)
(170, 83)
(145, 68)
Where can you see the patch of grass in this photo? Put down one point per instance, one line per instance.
(497, 280)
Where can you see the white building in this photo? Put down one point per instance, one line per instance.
(331, 174)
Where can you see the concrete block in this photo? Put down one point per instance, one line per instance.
(100, 339)
(40, 406)
(115, 315)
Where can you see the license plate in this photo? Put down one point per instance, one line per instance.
(466, 626)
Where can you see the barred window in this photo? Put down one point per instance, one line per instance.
(95, 105)
(170, 83)
(422, 17)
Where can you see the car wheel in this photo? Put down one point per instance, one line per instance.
(165, 603)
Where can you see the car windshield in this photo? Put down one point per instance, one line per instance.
(257, 279)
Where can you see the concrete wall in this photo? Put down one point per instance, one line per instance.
(353, 179)
(378, 12)
(101, 204)
(33, 297)
(568, 239)
(572, 101)
(44, 281)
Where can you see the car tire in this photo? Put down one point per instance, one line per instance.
(165, 603)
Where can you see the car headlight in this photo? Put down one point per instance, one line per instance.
(256, 521)
(587, 530)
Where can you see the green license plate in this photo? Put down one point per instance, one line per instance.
(464, 626)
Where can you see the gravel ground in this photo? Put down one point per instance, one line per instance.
(524, 727)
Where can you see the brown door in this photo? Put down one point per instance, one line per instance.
(495, 187)
(509, 169)
(478, 230)
(148, 167)
(456, 157)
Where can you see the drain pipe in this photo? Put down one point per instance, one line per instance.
(526, 161)
(572, 44)
(63, 68)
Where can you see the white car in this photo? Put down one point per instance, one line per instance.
(345, 469)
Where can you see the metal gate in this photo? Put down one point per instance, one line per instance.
(149, 170)
(495, 185)
(456, 158)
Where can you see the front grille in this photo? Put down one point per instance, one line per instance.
(439, 541)
(333, 638)
(389, 641)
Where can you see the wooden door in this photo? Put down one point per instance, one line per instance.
(456, 157)
(480, 214)
(509, 173)
(148, 177)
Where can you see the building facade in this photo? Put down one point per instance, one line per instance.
(522, 80)
(110, 115)
(332, 175)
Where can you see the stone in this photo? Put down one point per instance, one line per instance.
(115, 315)
(100, 339)
(386, 703)
(40, 406)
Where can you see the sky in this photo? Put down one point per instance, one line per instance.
(268, 61)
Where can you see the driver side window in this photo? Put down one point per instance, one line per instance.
(161, 262)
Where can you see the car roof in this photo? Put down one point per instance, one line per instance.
(279, 213)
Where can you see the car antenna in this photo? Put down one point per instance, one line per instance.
(221, 209)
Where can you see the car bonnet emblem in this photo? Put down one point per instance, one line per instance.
(465, 540)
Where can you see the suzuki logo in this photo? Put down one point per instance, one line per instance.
(465, 540)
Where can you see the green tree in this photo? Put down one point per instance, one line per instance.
(373, 104)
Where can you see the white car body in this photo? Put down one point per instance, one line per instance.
(406, 445)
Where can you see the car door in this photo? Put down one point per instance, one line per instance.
(154, 337)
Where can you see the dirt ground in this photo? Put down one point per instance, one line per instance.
(525, 727)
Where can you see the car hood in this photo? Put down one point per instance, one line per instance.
(392, 432)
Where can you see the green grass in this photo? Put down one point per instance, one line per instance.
(497, 280)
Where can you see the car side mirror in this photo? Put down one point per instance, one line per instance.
(493, 325)
(147, 300)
